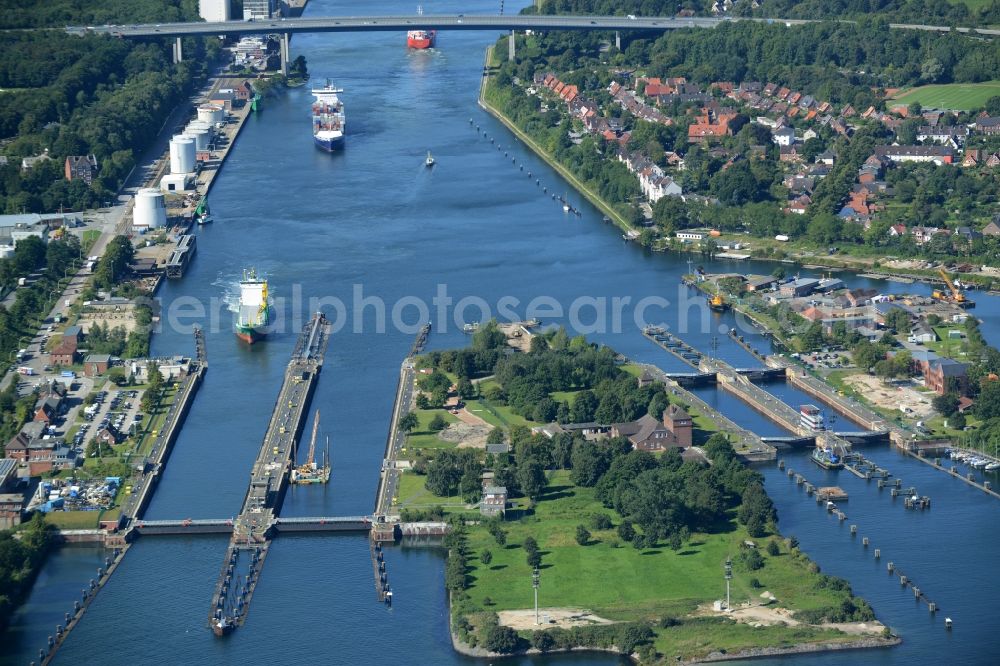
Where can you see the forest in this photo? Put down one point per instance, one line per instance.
(929, 11)
(70, 95)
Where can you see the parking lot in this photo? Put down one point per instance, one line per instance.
(116, 408)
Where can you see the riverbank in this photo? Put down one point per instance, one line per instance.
(542, 154)
(766, 249)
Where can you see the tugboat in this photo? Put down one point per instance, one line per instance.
(202, 214)
(718, 303)
(429, 162)
(826, 458)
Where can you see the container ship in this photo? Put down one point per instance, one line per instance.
(420, 39)
(328, 118)
(255, 312)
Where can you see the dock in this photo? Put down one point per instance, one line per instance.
(257, 522)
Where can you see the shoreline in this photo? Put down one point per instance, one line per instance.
(869, 643)
(831, 262)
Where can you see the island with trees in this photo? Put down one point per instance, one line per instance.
(532, 458)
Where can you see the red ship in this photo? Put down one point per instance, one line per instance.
(420, 39)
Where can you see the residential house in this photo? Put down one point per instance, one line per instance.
(826, 157)
(783, 136)
(81, 167)
(953, 135)
(937, 154)
(921, 334)
(991, 229)
(28, 163)
(690, 235)
(789, 154)
(494, 501)
(988, 125)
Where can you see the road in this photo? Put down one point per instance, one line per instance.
(389, 486)
(113, 221)
(449, 22)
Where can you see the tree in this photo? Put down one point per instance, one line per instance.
(530, 545)
(503, 640)
(625, 531)
(437, 423)
(582, 535)
(531, 478)
(534, 559)
(486, 556)
(408, 421)
(946, 404)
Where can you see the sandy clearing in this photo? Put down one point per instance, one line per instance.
(773, 615)
(466, 435)
(550, 617)
(891, 396)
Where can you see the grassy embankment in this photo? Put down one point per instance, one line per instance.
(488, 100)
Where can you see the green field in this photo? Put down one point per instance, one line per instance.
(618, 582)
(973, 5)
(959, 96)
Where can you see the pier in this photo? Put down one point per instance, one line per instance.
(258, 519)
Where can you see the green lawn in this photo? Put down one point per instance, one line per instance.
(413, 495)
(479, 409)
(959, 96)
(973, 5)
(618, 582)
(73, 520)
(423, 437)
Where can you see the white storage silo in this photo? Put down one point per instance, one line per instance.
(200, 135)
(182, 154)
(211, 113)
(150, 209)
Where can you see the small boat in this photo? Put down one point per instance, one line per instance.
(429, 162)
(565, 207)
(992, 467)
(826, 458)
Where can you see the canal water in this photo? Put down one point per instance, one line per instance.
(372, 222)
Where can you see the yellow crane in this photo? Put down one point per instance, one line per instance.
(956, 295)
(310, 472)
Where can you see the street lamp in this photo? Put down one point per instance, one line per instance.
(729, 577)
(534, 584)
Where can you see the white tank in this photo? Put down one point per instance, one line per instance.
(182, 154)
(150, 208)
(200, 136)
(210, 113)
